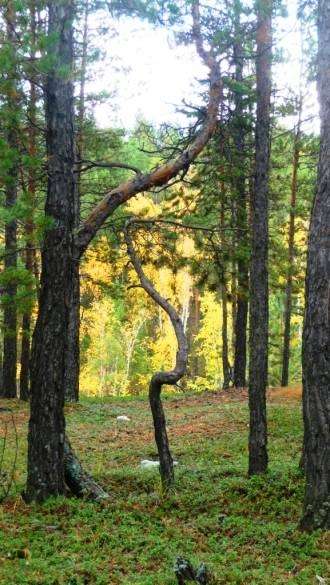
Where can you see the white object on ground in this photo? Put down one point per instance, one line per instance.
(148, 464)
(321, 580)
(123, 418)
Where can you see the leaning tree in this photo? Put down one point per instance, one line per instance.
(51, 463)
(316, 335)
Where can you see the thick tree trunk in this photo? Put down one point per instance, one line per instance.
(47, 424)
(316, 336)
(241, 224)
(10, 262)
(258, 457)
(291, 255)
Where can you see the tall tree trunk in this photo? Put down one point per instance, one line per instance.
(29, 224)
(224, 336)
(72, 361)
(224, 305)
(47, 424)
(193, 327)
(316, 336)
(241, 224)
(10, 263)
(291, 237)
(258, 458)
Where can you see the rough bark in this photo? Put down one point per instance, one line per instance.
(160, 378)
(316, 335)
(80, 483)
(72, 360)
(10, 261)
(291, 253)
(258, 457)
(47, 424)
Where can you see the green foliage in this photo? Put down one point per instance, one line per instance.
(244, 530)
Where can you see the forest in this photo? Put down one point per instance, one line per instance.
(164, 292)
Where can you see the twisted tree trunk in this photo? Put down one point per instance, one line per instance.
(160, 378)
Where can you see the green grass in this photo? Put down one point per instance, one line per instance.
(244, 530)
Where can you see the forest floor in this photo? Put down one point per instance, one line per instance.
(244, 530)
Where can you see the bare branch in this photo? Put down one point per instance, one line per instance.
(90, 164)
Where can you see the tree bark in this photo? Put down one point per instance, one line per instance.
(241, 224)
(161, 378)
(47, 424)
(224, 305)
(224, 336)
(291, 253)
(72, 360)
(316, 335)
(10, 261)
(258, 457)
(193, 327)
(80, 483)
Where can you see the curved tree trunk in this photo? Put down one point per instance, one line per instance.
(316, 336)
(161, 378)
